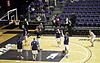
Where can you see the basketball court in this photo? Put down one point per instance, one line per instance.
(80, 50)
(76, 17)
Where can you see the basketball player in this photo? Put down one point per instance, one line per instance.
(19, 47)
(57, 21)
(66, 44)
(35, 49)
(58, 37)
(38, 34)
(92, 37)
(25, 34)
(41, 28)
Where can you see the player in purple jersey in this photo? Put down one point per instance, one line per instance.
(35, 48)
(19, 47)
(66, 43)
(38, 33)
(58, 37)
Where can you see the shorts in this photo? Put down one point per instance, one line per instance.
(34, 52)
(25, 38)
(66, 42)
(66, 47)
(58, 39)
(19, 50)
(92, 39)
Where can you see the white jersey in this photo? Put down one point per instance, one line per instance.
(92, 35)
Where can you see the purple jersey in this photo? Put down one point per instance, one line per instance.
(38, 34)
(66, 40)
(58, 35)
(34, 45)
(19, 44)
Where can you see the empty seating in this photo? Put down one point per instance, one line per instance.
(88, 12)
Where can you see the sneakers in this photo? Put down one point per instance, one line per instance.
(22, 57)
(67, 55)
(59, 46)
(92, 46)
(34, 59)
(17, 56)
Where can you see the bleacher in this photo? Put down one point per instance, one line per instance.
(87, 11)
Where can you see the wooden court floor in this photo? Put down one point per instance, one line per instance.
(79, 52)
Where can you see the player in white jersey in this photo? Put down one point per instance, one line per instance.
(92, 37)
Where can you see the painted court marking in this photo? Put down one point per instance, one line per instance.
(83, 60)
(87, 55)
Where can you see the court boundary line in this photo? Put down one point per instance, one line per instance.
(83, 60)
(90, 55)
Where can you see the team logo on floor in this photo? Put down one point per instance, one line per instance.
(51, 56)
